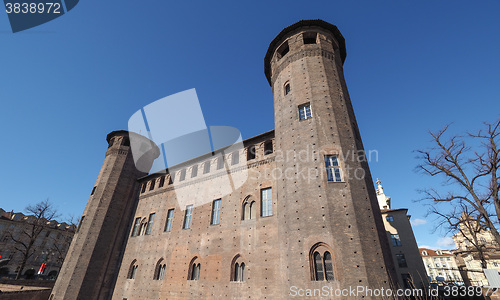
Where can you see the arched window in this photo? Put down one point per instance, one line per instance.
(328, 263)
(194, 269)
(318, 267)
(237, 269)
(160, 270)
(132, 271)
(248, 209)
(321, 261)
(236, 272)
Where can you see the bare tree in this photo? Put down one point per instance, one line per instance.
(466, 224)
(38, 217)
(469, 164)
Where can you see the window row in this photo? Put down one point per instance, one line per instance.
(320, 258)
(194, 271)
(206, 166)
(143, 226)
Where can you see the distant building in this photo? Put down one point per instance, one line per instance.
(409, 266)
(50, 246)
(469, 258)
(441, 265)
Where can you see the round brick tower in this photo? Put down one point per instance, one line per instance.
(94, 256)
(326, 199)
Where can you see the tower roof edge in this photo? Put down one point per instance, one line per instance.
(303, 23)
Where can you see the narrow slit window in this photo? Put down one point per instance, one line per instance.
(162, 181)
(143, 187)
(93, 190)
(80, 224)
(152, 185)
(305, 111)
(287, 88)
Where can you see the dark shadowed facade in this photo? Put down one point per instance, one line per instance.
(306, 217)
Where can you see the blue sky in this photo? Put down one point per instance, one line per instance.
(411, 66)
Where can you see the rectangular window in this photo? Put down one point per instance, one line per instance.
(215, 212)
(152, 185)
(187, 217)
(266, 202)
(194, 172)
(170, 219)
(401, 260)
(150, 223)
(93, 190)
(162, 181)
(206, 167)
(143, 187)
(268, 147)
(137, 224)
(389, 218)
(220, 163)
(332, 168)
(305, 111)
(235, 158)
(396, 242)
(251, 152)
(172, 177)
(183, 175)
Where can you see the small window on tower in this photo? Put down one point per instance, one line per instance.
(287, 88)
(333, 168)
(309, 37)
(305, 111)
(283, 50)
(251, 152)
(152, 185)
(268, 147)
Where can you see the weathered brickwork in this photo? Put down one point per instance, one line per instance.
(312, 217)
